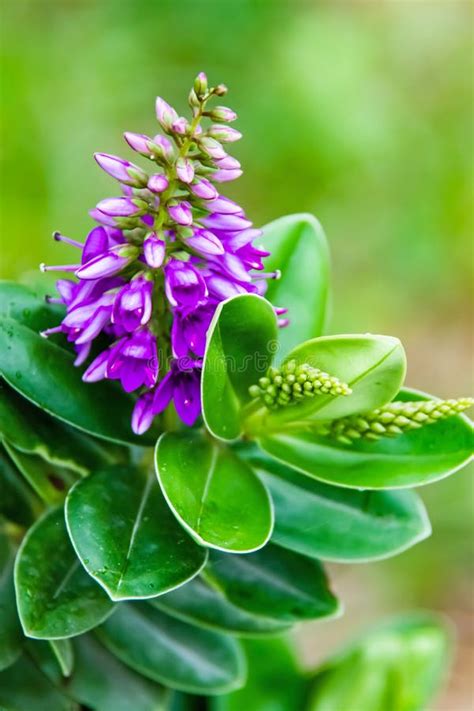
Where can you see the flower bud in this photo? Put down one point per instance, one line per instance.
(225, 134)
(165, 114)
(122, 170)
(161, 149)
(181, 213)
(180, 126)
(228, 223)
(138, 142)
(200, 85)
(225, 206)
(109, 263)
(158, 183)
(193, 100)
(205, 243)
(154, 250)
(184, 170)
(221, 113)
(228, 163)
(122, 206)
(212, 148)
(224, 176)
(203, 189)
(220, 90)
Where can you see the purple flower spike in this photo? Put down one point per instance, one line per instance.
(204, 189)
(229, 223)
(205, 243)
(138, 142)
(184, 285)
(165, 114)
(154, 250)
(121, 206)
(225, 134)
(158, 183)
(225, 176)
(134, 361)
(133, 304)
(109, 263)
(97, 369)
(181, 213)
(122, 170)
(143, 415)
(185, 170)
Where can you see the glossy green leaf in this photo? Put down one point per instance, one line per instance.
(166, 650)
(17, 501)
(335, 523)
(24, 687)
(298, 249)
(373, 366)
(274, 683)
(412, 459)
(11, 637)
(56, 598)
(101, 682)
(202, 604)
(24, 305)
(44, 373)
(50, 482)
(126, 536)
(64, 653)
(214, 494)
(32, 431)
(397, 666)
(241, 340)
(273, 582)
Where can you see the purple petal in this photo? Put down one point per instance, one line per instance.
(165, 114)
(158, 183)
(230, 223)
(97, 369)
(143, 415)
(97, 242)
(138, 142)
(187, 398)
(121, 206)
(184, 170)
(225, 176)
(181, 213)
(163, 393)
(225, 206)
(154, 250)
(204, 189)
(205, 243)
(228, 163)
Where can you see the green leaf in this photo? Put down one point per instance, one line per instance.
(11, 638)
(397, 666)
(44, 373)
(240, 342)
(203, 605)
(49, 481)
(335, 523)
(33, 432)
(410, 459)
(24, 305)
(24, 687)
(101, 682)
(127, 538)
(373, 366)
(16, 499)
(273, 582)
(275, 683)
(64, 653)
(171, 652)
(213, 494)
(299, 251)
(55, 596)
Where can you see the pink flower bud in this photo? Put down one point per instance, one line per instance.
(138, 142)
(158, 183)
(224, 176)
(181, 213)
(122, 170)
(225, 134)
(184, 170)
(212, 148)
(165, 114)
(180, 126)
(122, 206)
(203, 189)
(154, 250)
(222, 113)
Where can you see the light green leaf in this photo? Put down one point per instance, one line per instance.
(171, 652)
(24, 687)
(101, 682)
(214, 494)
(411, 459)
(241, 340)
(273, 582)
(43, 372)
(64, 653)
(335, 523)
(299, 251)
(373, 366)
(11, 638)
(203, 605)
(398, 666)
(275, 683)
(55, 596)
(126, 536)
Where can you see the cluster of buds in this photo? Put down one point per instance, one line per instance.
(292, 383)
(160, 259)
(392, 419)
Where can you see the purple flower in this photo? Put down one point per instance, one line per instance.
(109, 263)
(204, 189)
(99, 240)
(121, 206)
(143, 414)
(229, 223)
(97, 369)
(184, 170)
(184, 285)
(181, 213)
(205, 243)
(133, 304)
(134, 361)
(158, 183)
(154, 251)
(182, 385)
(222, 287)
(189, 329)
(86, 320)
(122, 170)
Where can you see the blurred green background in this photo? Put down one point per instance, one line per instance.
(359, 112)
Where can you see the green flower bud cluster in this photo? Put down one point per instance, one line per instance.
(292, 383)
(392, 419)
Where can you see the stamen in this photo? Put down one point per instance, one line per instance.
(268, 275)
(53, 300)
(282, 322)
(62, 238)
(50, 331)
(64, 268)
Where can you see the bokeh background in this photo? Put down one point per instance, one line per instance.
(361, 112)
